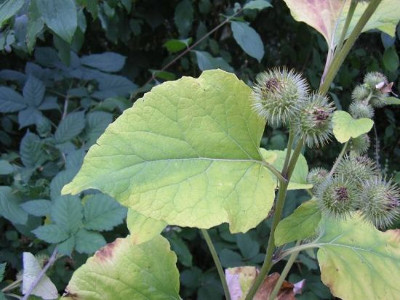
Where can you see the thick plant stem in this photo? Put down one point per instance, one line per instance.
(341, 55)
(217, 263)
(284, 273)
(288, 149)
(350, 13)
(280, 202)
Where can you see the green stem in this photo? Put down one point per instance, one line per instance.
(284, 273)
(341, 55)
(339, 158)
(350, 13)
(274, 171)
(283, 185)
(217, 263)
(297, 249)
(12, 286)
(288, 149)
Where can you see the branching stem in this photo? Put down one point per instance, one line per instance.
(339, 158)
(217, 263)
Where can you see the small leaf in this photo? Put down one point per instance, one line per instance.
(391, 59)
(145, 271)
(35, 26)
(301, 224)
(58, 182)
(38, 208)
(181, 250)
(97, 122)
(67, 212)
(346, 127)
(358, 261)
(142, 228)
(102, 212)
(175, 45)
(60, 16)
(10, 100)
(206, 61)
(88, 241)
(298, 181)
(230, 258)
(184, 17)
(70, 127)
(392, 101)
(247, 246)
(33, 91)
(31, 150)
(51, 233)
(257, 4)
(113, 86)
(32, 269)
(9, 8)
(67, 246)
(2, 270)
(248, 39)
(5, 167)
(29, 116)
(106, 61)
(9, 206)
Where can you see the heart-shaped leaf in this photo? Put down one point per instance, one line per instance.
(358, 261)
(124, 270)
(346, 127)
(186, 154)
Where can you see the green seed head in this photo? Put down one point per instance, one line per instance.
(356, 169)
(317, 176)
(361, 109)
(360, 93)
(338, 197)
(278, 95)
(360, 145)
(314, 120)
(380, 202)
(374, 79)
(378, 100)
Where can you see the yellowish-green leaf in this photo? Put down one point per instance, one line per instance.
(322, 15)
(123, 270)
(299, 176)
(187, 153)
(301, 224)
(141, 228)
(358, 261)
(346, 127)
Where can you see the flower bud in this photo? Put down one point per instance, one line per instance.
(360, 145)
(360, 109)
(278, 94)
(316, 176)
(338, 197)
(314, 121)
(360, 93)
(380, 202)
(356, 169)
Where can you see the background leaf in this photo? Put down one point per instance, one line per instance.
(67, 212)
(60, 16)
(206, 61)
(51, 233)
(70, 127)
(33, 91)
(10, 100)
(106, 61)
(9, 8)
(88, 241)
(248, 39)
(184, 17)
(102, 212)
(129, 271)
(39, 208)
(9, 206)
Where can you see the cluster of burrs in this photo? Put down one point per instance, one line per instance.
(282, 98)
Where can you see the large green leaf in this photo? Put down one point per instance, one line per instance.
(323, 15)
(346, 127)
(60, 16)
(187, 154)
(298, 180)
(358, 261)
(301, 224)
(9, 8)
(123, 270)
